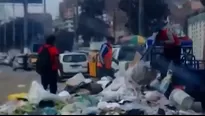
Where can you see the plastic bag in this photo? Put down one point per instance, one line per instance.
(104, 81)
(17, 96)
(105, 105)
(135, 75)
(138, 72)
(37, 93)
(75, 80)
(8, 108)
(64, 95)
(152, 95)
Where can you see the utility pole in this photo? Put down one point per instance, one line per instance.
(44, 6)
(140, 17)
(14, 28)
(25, 46)
(114, 23)
(44, 11)
(5, 32)
(76, 17)
(130, 10)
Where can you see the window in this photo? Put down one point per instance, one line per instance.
(74, 58)
(127, 53)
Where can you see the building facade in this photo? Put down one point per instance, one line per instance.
(196, 31)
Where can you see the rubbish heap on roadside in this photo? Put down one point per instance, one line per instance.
(124, 95)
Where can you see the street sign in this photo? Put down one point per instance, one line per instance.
(21, 1)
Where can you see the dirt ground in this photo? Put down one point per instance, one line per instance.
(16, 82)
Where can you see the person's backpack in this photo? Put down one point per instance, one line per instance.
(43, 63)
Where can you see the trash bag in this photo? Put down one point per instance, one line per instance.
(49, 111)
(64, 94)
(75, 80)
(94, 88)
(37, 94)
(138, 72)
(136, 75)
(8, 108)
(104, 81)
(90, 110)
(87, 100)
(105, 105)
(70, 108)
(152, 95)
(117, 91)
(17, 96)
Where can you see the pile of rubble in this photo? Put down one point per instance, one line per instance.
(120, 96)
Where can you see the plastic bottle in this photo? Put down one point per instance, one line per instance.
(155, 83)
(166, 82)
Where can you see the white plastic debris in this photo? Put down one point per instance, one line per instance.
(104, 81)
(181, 98)
(66, 113)
(152, 95)
(76, 80)
(105, 105)
(8, 108)
(37, 93)
(87, 81)
(197, 107)
(189, 112)
(64, 94)
(21, 86)
(135, 75)
(156, 83)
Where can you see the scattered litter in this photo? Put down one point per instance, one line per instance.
(180, 98)
(161, 112)
(21, 86)
(76, 80)
(152, 95)
(124, 95)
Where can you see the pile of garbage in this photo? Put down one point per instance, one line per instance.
(123, 95)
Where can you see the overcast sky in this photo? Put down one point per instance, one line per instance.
(52, 7)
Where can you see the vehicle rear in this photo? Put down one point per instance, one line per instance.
(73, 63)
(18, 62)
(32, 60)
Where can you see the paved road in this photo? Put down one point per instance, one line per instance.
(16, 82)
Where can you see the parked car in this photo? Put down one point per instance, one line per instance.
(33, 59)
(72, 63)
(17, 62)
(3, 56)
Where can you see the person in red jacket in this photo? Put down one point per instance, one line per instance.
(172, 47)
(49, 79)
(171, 43)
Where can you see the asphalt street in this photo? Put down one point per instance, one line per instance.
(17, 82)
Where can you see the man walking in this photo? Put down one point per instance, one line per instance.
(47, 64)
(105, 59)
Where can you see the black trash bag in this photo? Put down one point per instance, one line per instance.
(135, 112)
(46, 103)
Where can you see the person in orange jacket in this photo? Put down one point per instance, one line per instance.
(104, 65)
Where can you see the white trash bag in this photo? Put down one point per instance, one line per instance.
(104, 81)
(152, 96)
(37, 94)
(8, 108)
(75, 80)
